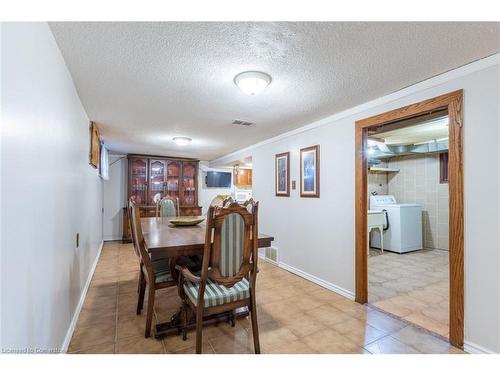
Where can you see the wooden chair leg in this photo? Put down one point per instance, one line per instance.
(255, 326)
(140, 281)
(185, 311)
(142, 291)
(199, 327)
(149, 316)
(231, 317)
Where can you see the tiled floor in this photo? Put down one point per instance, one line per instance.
(295, 316)
(413, 286)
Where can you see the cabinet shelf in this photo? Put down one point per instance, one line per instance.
(150, 175)
(383, 170)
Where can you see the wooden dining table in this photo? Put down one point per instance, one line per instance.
(165, 240)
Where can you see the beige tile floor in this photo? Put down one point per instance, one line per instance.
(413, 286)
(295, 316)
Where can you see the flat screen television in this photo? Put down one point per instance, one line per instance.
(218, 179)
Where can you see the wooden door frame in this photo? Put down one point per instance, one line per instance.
(453, 102)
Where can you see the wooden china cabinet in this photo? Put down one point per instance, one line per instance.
(173, 177)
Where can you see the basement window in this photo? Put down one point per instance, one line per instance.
(443, 168)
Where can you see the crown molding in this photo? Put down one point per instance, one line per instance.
(450, 75)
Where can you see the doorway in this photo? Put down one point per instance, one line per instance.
(451, 104)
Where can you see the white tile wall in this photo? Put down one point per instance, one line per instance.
(377, 182)
(418, 182)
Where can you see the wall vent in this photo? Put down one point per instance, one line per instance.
(242, 123)
(271, 254)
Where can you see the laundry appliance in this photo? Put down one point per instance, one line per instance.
(403, 227)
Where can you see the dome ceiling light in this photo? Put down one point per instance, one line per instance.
(182, 141)
(252, 83)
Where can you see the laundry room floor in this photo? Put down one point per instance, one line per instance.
(412, 286)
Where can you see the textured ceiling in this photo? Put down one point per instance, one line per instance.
(144, 83)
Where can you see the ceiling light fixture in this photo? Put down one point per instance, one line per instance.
(252, 83)
(182, 141)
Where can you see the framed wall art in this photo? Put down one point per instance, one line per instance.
(282, 174)
(95, 145)
(309, 172)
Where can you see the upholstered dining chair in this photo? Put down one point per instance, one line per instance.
(156, 201)
(155, 274)
(229, 269)
(218, 200)
(248, 204)
(227, 201)
(168, 207)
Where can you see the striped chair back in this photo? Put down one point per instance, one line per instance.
(234, 246)
(168, 207)
(231, 252)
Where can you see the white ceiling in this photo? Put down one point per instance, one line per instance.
(431, 130)
(144, 83)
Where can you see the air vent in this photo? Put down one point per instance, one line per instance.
(271, 254)
(242, 123)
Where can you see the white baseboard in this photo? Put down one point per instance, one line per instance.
(325, 284)
(263, 257)
(472, 348)
(76, 315)
(112, 239)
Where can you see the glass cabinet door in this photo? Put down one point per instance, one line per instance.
(173, 174)
(188, 184)
(138, 180)
(157, 171)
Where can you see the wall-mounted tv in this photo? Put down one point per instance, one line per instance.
(218, 179)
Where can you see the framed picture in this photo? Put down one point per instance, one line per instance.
(282, 174)
(95, 145)
(309, 172)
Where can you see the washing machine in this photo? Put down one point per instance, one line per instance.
(403, 223)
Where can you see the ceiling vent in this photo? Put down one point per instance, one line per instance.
(242, 123)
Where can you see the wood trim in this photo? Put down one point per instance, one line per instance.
(416, 109)
(316, 195)
(456, 219)
(95, 145)
(453, 103)
(287, 194)
(361, 216)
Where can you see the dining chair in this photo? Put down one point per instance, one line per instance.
(156, 274)
(156, 200)
(227, 201)
(248, 204)
(228, 272)
(168, 207)
(218, 200)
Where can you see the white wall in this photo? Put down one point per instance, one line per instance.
(49, 191)
(316, 236)
(206, 194)
(115, 198)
